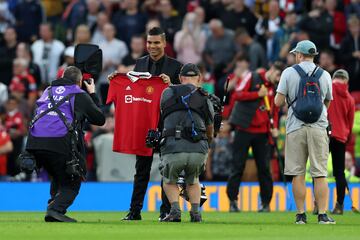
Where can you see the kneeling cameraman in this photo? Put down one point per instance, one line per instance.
(188, 117)
(56, 139)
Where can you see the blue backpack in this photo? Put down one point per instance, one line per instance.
(309, 105)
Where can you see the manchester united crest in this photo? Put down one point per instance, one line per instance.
(150, 90)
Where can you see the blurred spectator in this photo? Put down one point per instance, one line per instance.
(252, 48)
(239, 16)
(169, 20)
(15, 126)
(131, 22)
(189, 42)
(82, 34)
(22, 77)
(17, 90)
(137, 50)
(47, 52)
(93, 8)
(3, 94)
(53, 10)
(327, 61)
(7, 53)
(241, 72)
(218, 164)
(114, 50)
(353, 8)
(350, 53)
(6, 147)
(207, 79)
(74, 14)
(23, 51)
(97, 31)
(319, 24)
(339, 21)
(68, 60)
(350, 169)
(29, 15)
(200, 18)
(286, 33)
(6, 18)
(266, 27)
(219, 48)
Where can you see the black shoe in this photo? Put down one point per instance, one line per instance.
(162, 216)
(54, 216)
(264, 208)
(338, 210)
(195, 217)
(234, 206)
(324, 219)
(301, 218)
(173, 216)
(132, 216)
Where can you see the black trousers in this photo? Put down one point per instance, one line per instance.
(63, 189)
(141, 180)
(337, 150)
(261, 151)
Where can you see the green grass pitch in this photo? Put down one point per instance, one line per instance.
(107, 225)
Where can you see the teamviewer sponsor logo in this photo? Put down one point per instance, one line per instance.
(131, 99)
(128, 98)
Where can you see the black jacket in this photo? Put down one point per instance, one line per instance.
(86, 107)
(170, 67)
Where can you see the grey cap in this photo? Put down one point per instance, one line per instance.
(305, 47)
(341, 73)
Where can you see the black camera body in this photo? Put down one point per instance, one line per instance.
(153, 138)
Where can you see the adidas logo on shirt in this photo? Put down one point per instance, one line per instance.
(128, 88)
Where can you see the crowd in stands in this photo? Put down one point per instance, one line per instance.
(226, 38)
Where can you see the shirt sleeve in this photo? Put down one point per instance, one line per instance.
(282, 87)
(111, 97)
(328, 95)
(210, 120)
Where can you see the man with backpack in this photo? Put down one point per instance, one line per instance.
(56, 140)
(307, 89)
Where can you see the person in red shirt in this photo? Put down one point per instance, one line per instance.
(251, 120)
(6, 147)
(341, 115)
(21, 75)
(15, 126)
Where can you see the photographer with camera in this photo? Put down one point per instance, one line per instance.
(56, 140)
(188, 117)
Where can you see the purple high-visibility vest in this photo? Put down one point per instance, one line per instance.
(51, 125)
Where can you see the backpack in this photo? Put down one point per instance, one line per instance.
(309, 104)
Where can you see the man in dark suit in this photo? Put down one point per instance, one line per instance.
(158, 64)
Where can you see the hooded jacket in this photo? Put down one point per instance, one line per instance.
(341, 111)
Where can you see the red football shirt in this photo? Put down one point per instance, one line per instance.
(4, 139)
(137, 109)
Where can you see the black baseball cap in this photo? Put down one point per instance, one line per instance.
(189, 70)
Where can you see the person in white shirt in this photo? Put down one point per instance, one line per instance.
(47, 52)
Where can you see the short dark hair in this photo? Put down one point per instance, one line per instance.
(155, 31)
(279, 65)
(73, 73)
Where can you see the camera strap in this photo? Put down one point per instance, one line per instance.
(184, 100)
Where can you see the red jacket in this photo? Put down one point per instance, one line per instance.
(260, 122)
(341, 112)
